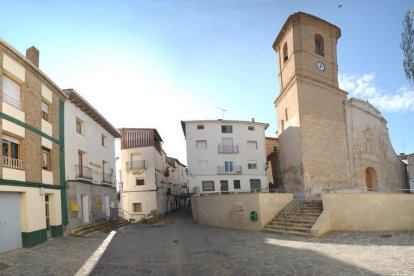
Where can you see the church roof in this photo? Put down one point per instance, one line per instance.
(300, 16)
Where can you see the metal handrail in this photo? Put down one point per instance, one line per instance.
(364, 189)
(298, 200)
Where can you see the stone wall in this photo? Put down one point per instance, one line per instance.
(369, 211)
(233, 211)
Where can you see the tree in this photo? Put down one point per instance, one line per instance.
(407, 44)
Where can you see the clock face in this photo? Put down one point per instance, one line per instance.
(320, 66)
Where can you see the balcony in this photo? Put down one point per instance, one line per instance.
(233, 170)
(135, 165)
(108, 178)
(12, 163)
(83, 172)
(228, 149)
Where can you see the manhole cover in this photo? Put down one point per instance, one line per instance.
(175, 241)
(386, 236)
(169, 221)
(3, 266)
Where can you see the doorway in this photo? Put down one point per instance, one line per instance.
(106, 210)
(47, 208)
(10, 232)
(370, 178)
(85, 208)
(224, 186)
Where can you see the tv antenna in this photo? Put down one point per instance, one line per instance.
(222, 109)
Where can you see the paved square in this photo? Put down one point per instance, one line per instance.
(186, 248)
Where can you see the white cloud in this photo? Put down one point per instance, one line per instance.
(364, 87)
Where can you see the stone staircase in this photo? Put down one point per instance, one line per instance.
(102, 226)
(299, 219)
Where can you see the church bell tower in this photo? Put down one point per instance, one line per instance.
(310, 106)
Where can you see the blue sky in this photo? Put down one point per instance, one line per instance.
(153, 63)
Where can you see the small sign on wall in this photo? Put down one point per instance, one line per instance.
(238, 209)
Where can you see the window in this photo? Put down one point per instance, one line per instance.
(11, 92)
(136, 207)
(252, 165)
(80, 128)
(140, 182)
(286, 115)
(202, 165)
(44, 111)
(11, 152)
(250, 128)
(103, 141)
(282, 122)
(285, 52)
(46, 159)
(255, 185)
(236, 184)
(228, 166)
(319, 49)
(201, 144)
(207, 185)
(252, 145)
(226, 129)
(200, 126)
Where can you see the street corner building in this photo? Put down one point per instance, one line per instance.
(152, 183)
(325, 139)
(32, 174)
(89, 162)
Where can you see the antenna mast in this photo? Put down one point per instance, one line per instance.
(222, 109)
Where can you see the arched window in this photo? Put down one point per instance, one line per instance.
(319, 49)
(285, 52)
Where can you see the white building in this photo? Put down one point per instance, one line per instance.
(89, 161)
(225, 156)
(151, 181)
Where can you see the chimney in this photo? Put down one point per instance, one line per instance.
(32, 54)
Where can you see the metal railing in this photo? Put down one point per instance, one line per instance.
(108, 178)
(12, 101)
(298, 198)
(12, 162)
(228, 149)
(135, 165)
(234, 170)
(83, 172)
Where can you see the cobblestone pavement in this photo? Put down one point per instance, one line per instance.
(181, 247)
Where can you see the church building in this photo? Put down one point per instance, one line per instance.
(326, 141)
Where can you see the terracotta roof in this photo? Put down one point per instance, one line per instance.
(296, 17)
(86, 107)
(222, 121)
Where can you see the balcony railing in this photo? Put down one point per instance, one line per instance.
(233, 170)
(228, 149)
(108, 178)
(12, 162)
(135, 165)
(83, 172)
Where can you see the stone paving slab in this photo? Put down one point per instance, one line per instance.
(186, 248)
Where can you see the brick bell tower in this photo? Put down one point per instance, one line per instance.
(310, 106)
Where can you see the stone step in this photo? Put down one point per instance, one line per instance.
(295, 228)
(273, 231)
(288, 223)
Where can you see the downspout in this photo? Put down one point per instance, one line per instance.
(64, 206)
